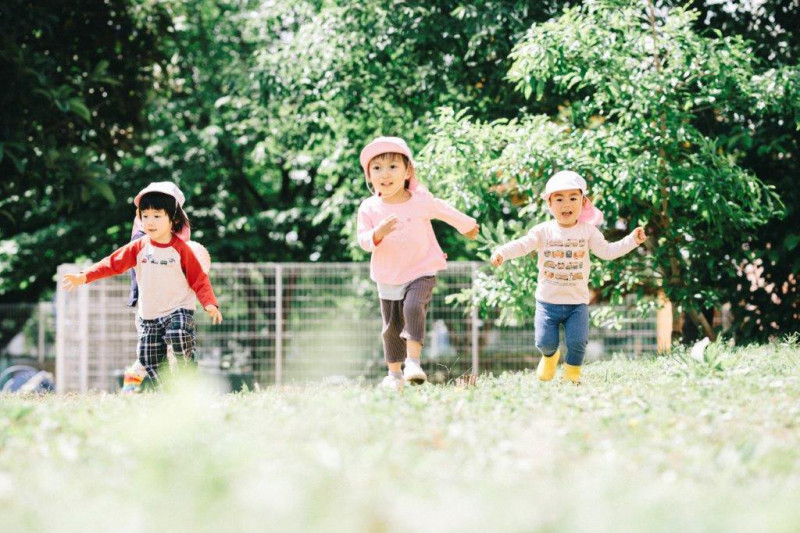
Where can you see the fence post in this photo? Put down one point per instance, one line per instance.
(61, 318)
(475, 339)
(83, 335)
(664, 323)
(278, 324)
(103, 382)
(42, 308)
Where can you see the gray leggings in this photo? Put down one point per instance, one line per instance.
(405, 319)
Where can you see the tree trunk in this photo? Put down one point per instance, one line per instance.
(664, 324)
(702, 323)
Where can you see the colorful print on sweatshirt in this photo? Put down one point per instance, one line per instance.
(563, 258)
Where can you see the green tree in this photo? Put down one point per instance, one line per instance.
(766, 296)
(75, 84)
(637, 82)
(263, 108)
(258, 111)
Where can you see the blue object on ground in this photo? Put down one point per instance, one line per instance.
(24, 379)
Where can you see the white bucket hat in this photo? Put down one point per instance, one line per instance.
(165, 187)
(564, 181)
(168, 188)
(567, 180)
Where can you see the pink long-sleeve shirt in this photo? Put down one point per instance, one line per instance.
(411, 250)
(563, 258)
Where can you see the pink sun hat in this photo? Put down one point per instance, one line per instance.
(566, 180)
(383, 145)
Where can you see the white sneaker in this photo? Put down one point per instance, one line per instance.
(413, 373)
(391, 382)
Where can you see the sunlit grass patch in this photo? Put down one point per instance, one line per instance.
(639, 446)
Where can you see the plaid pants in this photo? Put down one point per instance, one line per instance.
(175, 329)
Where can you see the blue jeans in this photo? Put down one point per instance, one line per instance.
(576, 328)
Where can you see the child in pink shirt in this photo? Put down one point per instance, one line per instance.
(395, 225)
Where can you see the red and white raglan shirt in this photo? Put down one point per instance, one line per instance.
(169, 275)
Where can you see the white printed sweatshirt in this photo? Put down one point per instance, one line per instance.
(563, 258)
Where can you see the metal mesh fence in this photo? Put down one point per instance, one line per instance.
(298, 322)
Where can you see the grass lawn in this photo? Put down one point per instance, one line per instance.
(666, 444)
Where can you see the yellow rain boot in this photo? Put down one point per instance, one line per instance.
(547, 367)
(572, 373)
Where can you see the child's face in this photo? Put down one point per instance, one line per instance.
(388, 174)
(566, 206)
(157, 225)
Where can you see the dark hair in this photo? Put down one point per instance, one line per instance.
(164, 202)
(393, 156)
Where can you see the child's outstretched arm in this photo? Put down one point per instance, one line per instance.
(465, 224)
(516, 248)
(214, 312)
(116, 263)
(473, 233)
(639, 235)
(199, 282)
(71, 281)
(612, 250)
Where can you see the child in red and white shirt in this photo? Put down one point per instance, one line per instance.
(169, 276)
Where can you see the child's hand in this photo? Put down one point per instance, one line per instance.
(639, 235)
(213, 311)
(386, 226)
(496, 259)
(70, 281)
(473, 233)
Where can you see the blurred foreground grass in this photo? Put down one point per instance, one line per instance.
(665, 444)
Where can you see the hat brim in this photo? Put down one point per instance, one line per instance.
(546, 195)
(159, 187)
